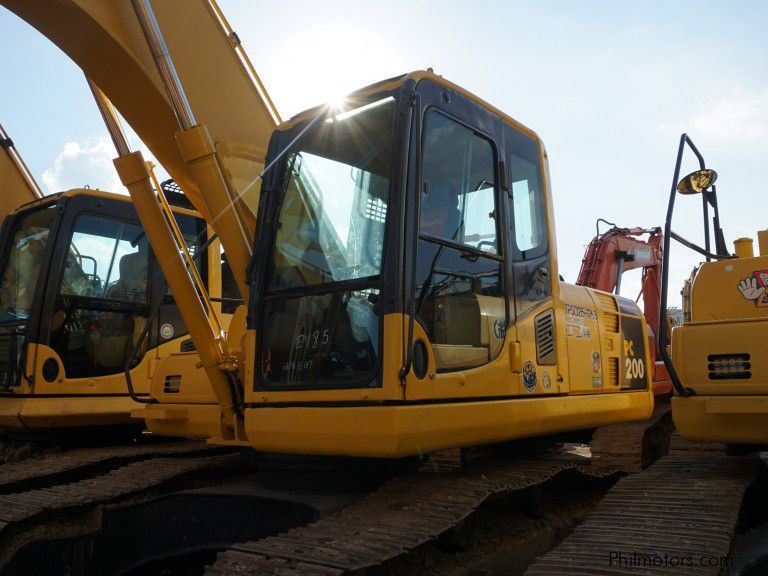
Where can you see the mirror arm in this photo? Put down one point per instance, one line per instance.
(663, 336)
(699, 249)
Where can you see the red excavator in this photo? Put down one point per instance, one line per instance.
(618, 250)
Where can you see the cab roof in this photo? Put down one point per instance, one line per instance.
(94, 193)
(416, 76)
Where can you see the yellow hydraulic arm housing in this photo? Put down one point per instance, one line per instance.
(157, 64)
(17, 185)
(105, 38)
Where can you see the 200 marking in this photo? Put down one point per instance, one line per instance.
(635, 368)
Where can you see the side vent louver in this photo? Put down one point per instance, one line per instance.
(544, 325)
(610, 311)
(188, 346)
(612, 377)
(729, 367)
(172, 384)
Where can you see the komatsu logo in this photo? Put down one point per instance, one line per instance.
(755, 288)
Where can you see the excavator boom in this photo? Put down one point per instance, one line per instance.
(18, 184)
(105, 38)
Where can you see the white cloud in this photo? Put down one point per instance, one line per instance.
(742, 115)
(89, 163)
(738, 117)
(81, 164)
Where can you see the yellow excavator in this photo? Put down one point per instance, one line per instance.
(402, 290)
(397, 260)
(83, 304)
(716, 357)
(71, 340)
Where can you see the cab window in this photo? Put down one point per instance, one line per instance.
(528, 210)
(460, 294)
(527, 222)
(101, 306)
(458, 200)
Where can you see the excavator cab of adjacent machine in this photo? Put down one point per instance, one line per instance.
(716, 359)
(82, 301)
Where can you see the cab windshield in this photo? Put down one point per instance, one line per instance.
(24, 260)
(322, 284)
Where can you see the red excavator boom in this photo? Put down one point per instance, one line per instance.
(616, 251)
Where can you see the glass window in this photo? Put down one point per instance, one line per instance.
(321, 339)
(331, 221)
(460, 298)
(169, 324)
(527, 221)
(529, 215)
(458, 195)
(460, 303)
(230, 293)
(107, 259)
(526, 226)
(102, 306)
(330, 229)
(22, 267)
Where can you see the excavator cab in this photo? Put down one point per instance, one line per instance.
(78, 284)
(716, 359)
(404, 292)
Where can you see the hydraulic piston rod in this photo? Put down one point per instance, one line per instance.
(192, 299)
(227, 211)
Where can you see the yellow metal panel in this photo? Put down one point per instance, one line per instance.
(188, 421)
(730, 419)
(730, 289)
(111, 384)
(73, 411)
(194, 387)
(396, 431)
(10, 412)
(737, 405)
(692, 344)
(584, 334)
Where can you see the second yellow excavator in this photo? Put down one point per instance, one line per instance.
(84, 305)
(716, 359)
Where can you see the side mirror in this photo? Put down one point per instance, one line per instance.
(697, 182)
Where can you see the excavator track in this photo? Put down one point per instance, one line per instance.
(59, 467)
(636, 445)
(29, 515)
(678, 515)
(404, 513)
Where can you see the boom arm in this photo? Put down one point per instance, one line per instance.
(105, 39)
(17, 185)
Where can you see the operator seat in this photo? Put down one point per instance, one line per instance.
(117, 331)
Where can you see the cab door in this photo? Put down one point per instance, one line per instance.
(539, 348)
(459, 278)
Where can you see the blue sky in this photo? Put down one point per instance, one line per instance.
(608, 86)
